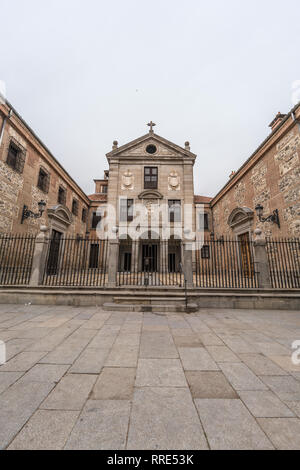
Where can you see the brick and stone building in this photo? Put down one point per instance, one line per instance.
(154, 176)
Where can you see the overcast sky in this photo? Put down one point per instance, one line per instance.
(83, 73)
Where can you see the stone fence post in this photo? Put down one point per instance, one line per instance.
(261, 260)
(113, 261)
(188, 263)
(39, 257)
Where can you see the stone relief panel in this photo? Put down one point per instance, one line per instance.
(127, 180)
(240, 193)
(174, 181)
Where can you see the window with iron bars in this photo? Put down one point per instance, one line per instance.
(16, 157)
(62, 196)
(174, 210)
(43, 180)
(126, 210)
(150, 177)
(205, 252)
(75, 207)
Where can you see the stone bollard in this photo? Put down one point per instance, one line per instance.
(39, 257)
(113, 261)
(188, 263)
(261, 260)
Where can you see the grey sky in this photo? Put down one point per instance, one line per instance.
(83, 73)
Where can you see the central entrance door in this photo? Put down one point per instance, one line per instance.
(149, 257)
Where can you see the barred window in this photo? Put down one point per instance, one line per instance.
(16, 157)
(174, 210)
(43, 180)
(75, 206)
(205, 252)
(84, 215)
(62, 196)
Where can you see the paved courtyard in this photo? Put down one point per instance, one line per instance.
(82, 378)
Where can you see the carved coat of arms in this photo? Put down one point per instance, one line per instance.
(127, 180)
(174, 181)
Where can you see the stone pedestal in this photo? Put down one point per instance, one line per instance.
(188, 263)
(113, 261)
(39, 257)
(261, 260)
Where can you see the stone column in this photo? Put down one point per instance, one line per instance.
(39, 257)
(188, 263)
(261, 260)
(113, 261)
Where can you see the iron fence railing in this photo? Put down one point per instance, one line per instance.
(225, 263)
(284, 262)
(76, 262)
(16, 255)
(151, 263)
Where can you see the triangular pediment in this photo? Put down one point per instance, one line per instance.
(138, 148)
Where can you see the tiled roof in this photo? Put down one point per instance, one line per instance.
(203, 199)
(98, 197)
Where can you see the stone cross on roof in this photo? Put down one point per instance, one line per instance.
(151, 125)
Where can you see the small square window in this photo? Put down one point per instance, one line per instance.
(62, 196)
(205, 252)
(43, 180)
(16, 157)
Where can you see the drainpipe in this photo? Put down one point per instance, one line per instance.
(10, 113)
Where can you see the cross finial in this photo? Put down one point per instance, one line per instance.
(151, 125)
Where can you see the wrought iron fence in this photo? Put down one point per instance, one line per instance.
(76, 262)
(284, 262)
(225, 263)
(16, 255)
(150, 263)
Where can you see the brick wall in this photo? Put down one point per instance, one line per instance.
(271, 178)
(17, 189)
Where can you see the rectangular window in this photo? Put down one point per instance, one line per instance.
(43, 180)
(174, 210)
(16, 157)
(62, 196)
(203, 221)
(150, 177)
(94, 256)
(126, 210)
(104, 189)
(205, 252)
(84, 215)
(75, 207)
(96, 219)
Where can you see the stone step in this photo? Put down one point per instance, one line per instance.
(156, 308)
